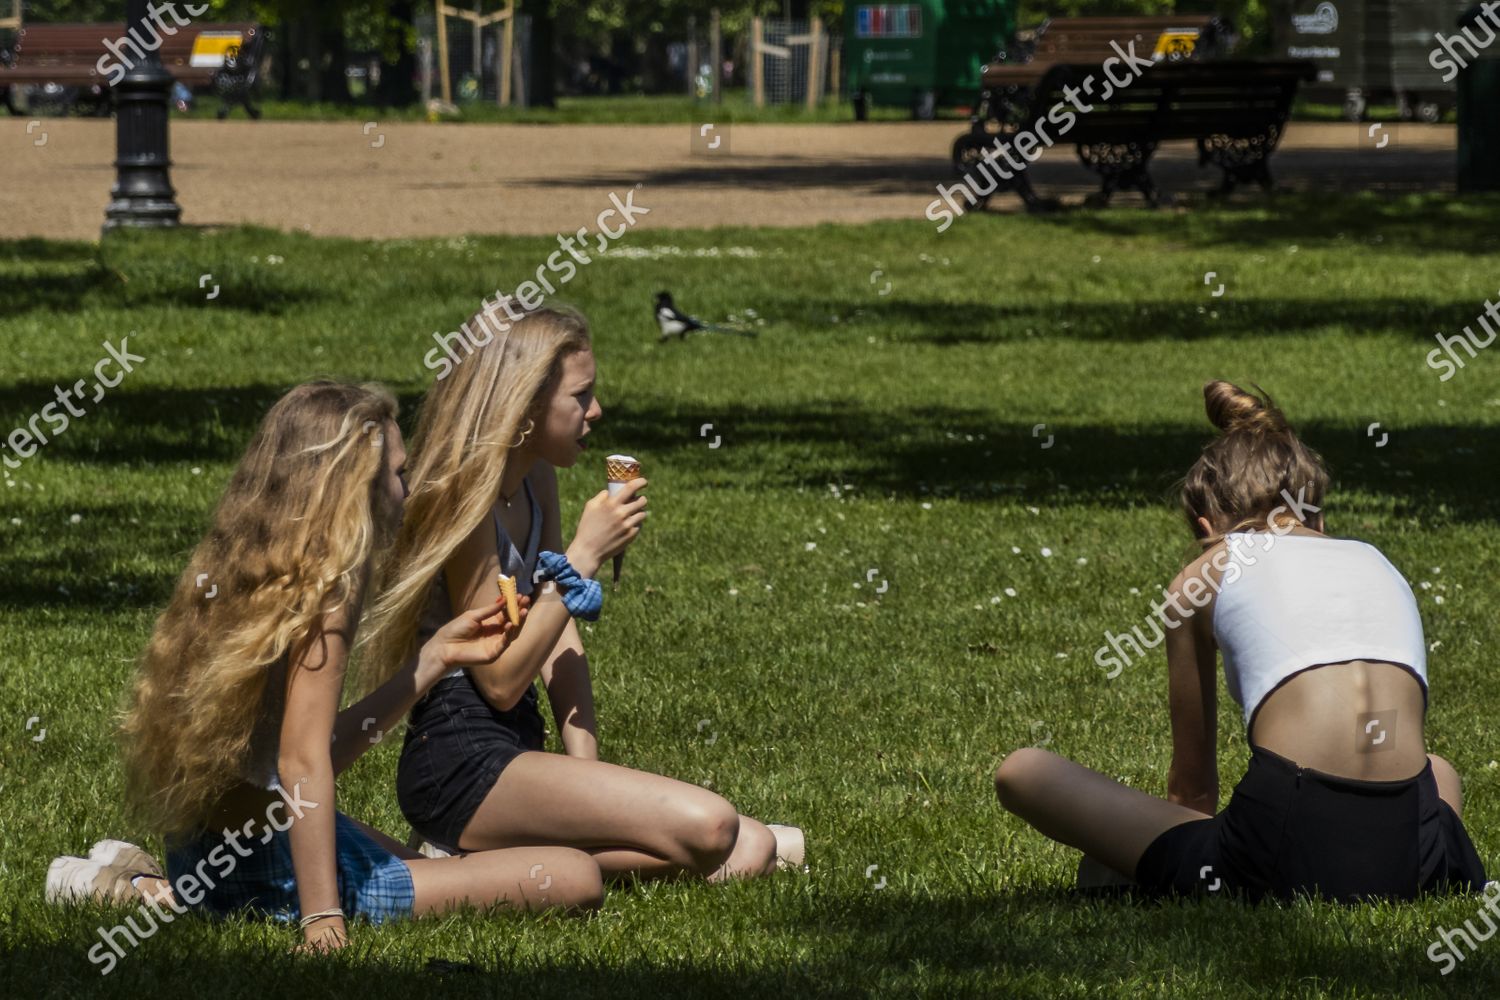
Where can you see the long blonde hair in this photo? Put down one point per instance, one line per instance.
(466, 427)
(1252, 467)
(291, 543)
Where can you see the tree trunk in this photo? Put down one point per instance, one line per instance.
(543, 54)
(398, 80)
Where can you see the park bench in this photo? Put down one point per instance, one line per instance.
(1087, 40)
(1234, 109)
(225, 57)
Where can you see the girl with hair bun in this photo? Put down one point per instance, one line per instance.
(1323, 651)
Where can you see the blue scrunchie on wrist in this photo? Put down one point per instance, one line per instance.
(581, 596)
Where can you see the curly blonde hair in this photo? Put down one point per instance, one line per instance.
(290, 544)
(466, 428)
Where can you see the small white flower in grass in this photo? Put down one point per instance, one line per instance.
(1437, 599)
(76, 519)
(1046, 552)
(1010, 591)
(1035, 510)
(1083, 560)
(1425, 585)
(979, 607)
(1062, 656)
(1437, 569)
(1135, 590)
(811, 545)
(1097, 258)
(1015, 550)
(16, 521)
(1435, 644)
(733, 592)
(926, 506)
(768, 586)
(195, 470)
(995, 599)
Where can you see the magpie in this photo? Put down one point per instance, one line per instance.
(675, 323)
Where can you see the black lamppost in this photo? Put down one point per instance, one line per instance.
(142, 194)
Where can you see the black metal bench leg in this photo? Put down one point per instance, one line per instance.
(1242, 160)
(1121, 167)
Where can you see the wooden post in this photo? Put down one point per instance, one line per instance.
(424, 58)
(716, 54)
(833, 72)
(14, 21)
(757, 70)
(442, 35)
(814, 61)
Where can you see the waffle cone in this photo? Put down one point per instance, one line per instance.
(512, 606)
(621, 468)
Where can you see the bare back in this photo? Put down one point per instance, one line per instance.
(1359, 719)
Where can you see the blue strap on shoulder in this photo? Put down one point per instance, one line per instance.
(581, 596)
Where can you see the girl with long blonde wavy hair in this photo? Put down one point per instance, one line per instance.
(490, 436)
(234, 734)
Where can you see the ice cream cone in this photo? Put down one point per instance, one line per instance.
(619, 470)
(512, 606)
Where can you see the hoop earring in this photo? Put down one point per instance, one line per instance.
(530, 426)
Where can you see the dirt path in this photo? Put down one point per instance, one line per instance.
(437, 180)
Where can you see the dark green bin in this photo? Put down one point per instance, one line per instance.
(1479, 126)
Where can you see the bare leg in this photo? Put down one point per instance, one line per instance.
(1107, 821)
(632, 822)
(754, 853)
(530, 878)
(1450, 787)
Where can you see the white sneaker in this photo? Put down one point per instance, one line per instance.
(71, 879)
(120, 854)
(77, 880)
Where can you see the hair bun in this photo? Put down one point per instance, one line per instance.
(1231, 408)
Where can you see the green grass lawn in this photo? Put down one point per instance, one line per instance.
(861, 431)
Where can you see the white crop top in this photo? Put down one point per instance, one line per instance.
(1307, 600)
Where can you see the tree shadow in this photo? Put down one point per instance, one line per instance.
(78, 277)
(951, 324)
(1061, 937)
(61, 969)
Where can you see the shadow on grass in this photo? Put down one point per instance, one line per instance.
(1027, 944)
(1398, 226)
(74, 277)
(948, 324)
(1435, 474)
(63, 970)
(1063, 938)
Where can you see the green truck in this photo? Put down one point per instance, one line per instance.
(922, 55)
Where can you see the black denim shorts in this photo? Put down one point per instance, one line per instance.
(1290, 830)
(456, 746)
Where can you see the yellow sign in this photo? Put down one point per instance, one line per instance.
(211, 48)
(1175, 44)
